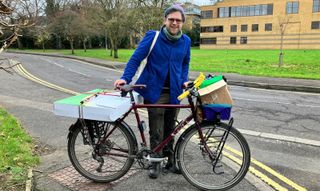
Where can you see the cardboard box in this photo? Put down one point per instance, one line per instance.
(102, 107)
(216, 93)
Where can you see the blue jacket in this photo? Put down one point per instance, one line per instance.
(165, 55)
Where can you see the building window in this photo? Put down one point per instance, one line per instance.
(233, 11)
(315, 25)
(257, 10)
(255, 27)
(251, 11)
(244, 28)
(233, 28)
(243, 40)
(206, 14)
(233, 40)
(212, 29)
(268, 27)
(264, 9)
(218, 29)
(270, 9)
(292, 7)
(238, 11)
(316, 6)
(224, 12)
(243, 11)
(209, 40)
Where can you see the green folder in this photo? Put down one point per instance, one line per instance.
(210, 81)
(75, 100)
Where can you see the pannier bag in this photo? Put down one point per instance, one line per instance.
(213, 112)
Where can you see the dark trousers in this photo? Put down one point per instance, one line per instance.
(161, 125)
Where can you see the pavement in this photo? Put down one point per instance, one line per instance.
(289, 84)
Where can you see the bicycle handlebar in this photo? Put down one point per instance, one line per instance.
(197, 82)
(129, 87)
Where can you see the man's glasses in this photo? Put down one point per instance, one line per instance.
(178, 21)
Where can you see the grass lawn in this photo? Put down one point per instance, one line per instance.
(16, 155)
(297, 63)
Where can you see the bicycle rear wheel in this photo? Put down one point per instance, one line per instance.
(110, 159)
(215, 172)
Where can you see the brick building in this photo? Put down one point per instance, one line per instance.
(261, 24)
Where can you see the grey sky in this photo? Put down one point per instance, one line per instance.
(198, 2)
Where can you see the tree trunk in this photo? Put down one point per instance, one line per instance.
(112, 47)
(58, 42)
(43, 49)
(132, 44)
(115, 53)
(281, 51)
(71, 46)
(115, 49)
(106, 42)
(89, 43)
(84, 45)
(19, 44)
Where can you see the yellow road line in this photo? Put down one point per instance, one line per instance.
(279, 176)
(42, 82)
(257, 173)
(270, 170)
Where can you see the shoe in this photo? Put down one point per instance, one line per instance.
(154, 171)
(169, 167)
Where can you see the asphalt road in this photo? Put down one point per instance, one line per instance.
(256, 111)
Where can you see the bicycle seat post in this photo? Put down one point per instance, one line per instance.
(131, 97)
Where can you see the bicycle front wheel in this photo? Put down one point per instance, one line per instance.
(203, 166)
(97, 158)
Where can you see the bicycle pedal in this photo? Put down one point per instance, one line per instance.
(151, 159)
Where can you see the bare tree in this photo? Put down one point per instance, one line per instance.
(66, 23)
(283, 23)
(147, 15)
(87, 27)
(283, 26)
(8, 31)
(122, 18)
(42, 36)
(114, 16)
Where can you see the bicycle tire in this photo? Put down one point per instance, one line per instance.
(80, 154)
(198, 169)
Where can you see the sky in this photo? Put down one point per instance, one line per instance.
(198, 2)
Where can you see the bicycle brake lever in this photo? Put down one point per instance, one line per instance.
(124, 93)
(190, 85)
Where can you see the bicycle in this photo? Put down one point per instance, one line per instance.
(211, 155)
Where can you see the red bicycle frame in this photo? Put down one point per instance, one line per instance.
(178, 127)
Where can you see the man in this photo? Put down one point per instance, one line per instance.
(165, 74)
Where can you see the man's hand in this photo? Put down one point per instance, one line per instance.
(118, 83)
(185, 85)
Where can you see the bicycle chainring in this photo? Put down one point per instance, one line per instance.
(142, 153)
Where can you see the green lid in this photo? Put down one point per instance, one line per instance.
(210, 81)
(75, 100)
